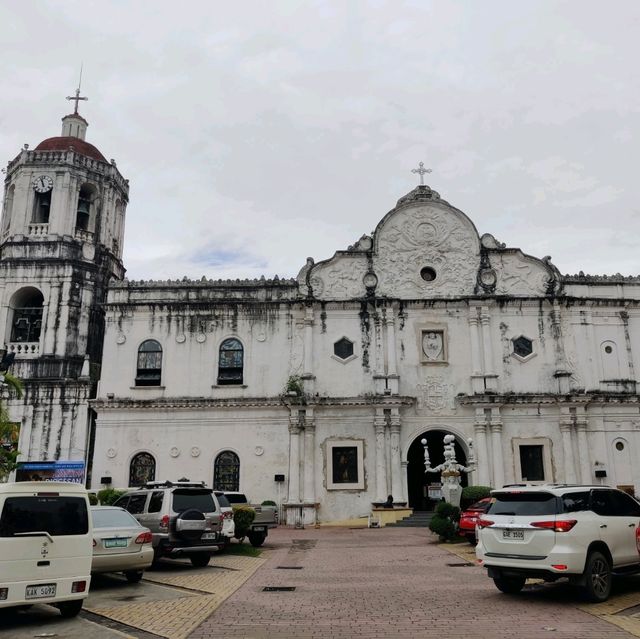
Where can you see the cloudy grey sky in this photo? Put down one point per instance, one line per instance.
(255, 134)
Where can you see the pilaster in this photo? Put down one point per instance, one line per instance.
(498, 458)
(482, 461)
(309, 457)
(379, 424)
(396, 477)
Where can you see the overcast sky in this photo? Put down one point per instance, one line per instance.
(255, 134)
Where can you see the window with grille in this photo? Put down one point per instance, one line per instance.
(142, 469)
(231, 362)
(226, 472)
(149, 370)
(27, 316)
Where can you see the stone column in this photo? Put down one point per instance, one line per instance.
(293, 496)
(583, 452)
(308, 341)
(309, 458)
(485, 319)
(405, 481)
(392, 367)
(50, 324)
(396, 468)
(567, 449)
(498, 460)
(60, 345)
(482, 451)
(476, 364)
(379, 423)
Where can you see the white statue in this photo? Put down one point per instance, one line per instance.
(450, 470)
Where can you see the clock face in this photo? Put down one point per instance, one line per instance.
(43, 183)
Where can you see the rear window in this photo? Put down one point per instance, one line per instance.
(524, 504)
(223, 501)
(238, 498)
(113, 518)
(55, 515)
(199, 499)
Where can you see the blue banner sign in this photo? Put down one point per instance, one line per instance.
(72, 471)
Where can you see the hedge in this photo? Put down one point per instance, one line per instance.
(243, 517)
(472, 494)
(108, 496)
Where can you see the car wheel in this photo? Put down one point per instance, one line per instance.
(70, 609)
(257, 539)
(597, 577)
(200, 559)
(472, 539)
(133, 576)
(509, 585)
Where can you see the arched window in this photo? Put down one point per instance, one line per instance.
(226, 471)
(149, 369)
(41, 207)
(27, 315)
(230, 363)
(142, 469)
(84, 212)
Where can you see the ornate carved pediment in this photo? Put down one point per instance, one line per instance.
(426, 250)
(518, 274)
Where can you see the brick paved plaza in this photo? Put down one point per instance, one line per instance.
(395, 583)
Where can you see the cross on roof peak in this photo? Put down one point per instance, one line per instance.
(421, 171)
(77, 98)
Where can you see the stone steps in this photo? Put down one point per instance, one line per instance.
(417, 520)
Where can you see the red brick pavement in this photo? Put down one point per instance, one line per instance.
(390, 582)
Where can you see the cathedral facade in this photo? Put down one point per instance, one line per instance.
(317, 391)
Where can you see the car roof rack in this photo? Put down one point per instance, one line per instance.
(171, 484)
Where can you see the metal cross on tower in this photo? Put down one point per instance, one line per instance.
(77, 97)
(421, 171)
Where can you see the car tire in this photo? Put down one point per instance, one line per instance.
(192, 514)
(200, 559)
(472, 539)
(257, 539)
(70, 609)
(597, 578)
(509, 585)
(133, 576)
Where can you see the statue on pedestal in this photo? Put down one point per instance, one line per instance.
(450, 470)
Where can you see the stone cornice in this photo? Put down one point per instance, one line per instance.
(577, 399)
(616, 278)
(199, 403)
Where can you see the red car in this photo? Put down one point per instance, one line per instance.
(468, 518)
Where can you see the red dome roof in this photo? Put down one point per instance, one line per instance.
(63, 144)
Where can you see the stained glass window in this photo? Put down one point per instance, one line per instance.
(231, 362)
(142, 469)
(226, 471)
(149, 369)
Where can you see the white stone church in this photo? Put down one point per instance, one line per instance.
(315, 391)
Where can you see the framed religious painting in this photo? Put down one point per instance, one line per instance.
(345, 464)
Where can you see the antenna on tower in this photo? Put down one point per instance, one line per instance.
(77, 97)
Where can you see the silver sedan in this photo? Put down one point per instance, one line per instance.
(120, 543)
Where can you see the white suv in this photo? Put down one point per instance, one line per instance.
(585, 533)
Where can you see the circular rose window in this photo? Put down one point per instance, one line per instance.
(428, 274)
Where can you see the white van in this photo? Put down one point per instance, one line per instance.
(46, 543)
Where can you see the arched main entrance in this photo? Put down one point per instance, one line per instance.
(417, 480)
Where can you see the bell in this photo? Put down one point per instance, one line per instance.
(83, 206)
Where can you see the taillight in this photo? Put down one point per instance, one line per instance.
(483, 523)
(164, 522)
(144, 538)
(78, 586)
(562, 525)
(221, 517)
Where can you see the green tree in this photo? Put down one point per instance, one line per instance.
(8, 444)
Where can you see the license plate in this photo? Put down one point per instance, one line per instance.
(115, 543)
(259, 528)
(517, 535)
(38, 592)
(206, 536)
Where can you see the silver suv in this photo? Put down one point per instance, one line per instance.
(585, 533)
(184, 517)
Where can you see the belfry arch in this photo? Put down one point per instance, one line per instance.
(417, 480)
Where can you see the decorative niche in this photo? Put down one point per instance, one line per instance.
(432, 344)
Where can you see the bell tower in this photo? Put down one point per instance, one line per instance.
(61, 237)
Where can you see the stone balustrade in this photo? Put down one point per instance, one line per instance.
(38, 229)
(24, 349)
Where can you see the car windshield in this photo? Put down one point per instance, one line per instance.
(523, 503)
(237, 498)
(201, 500)
(53, 514)
(112, 518)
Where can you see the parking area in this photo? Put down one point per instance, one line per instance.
(334, 582)
(171, 601)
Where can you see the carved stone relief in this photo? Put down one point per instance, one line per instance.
(519, 275)
(340, 279)
(435, 394)
(427, 237)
